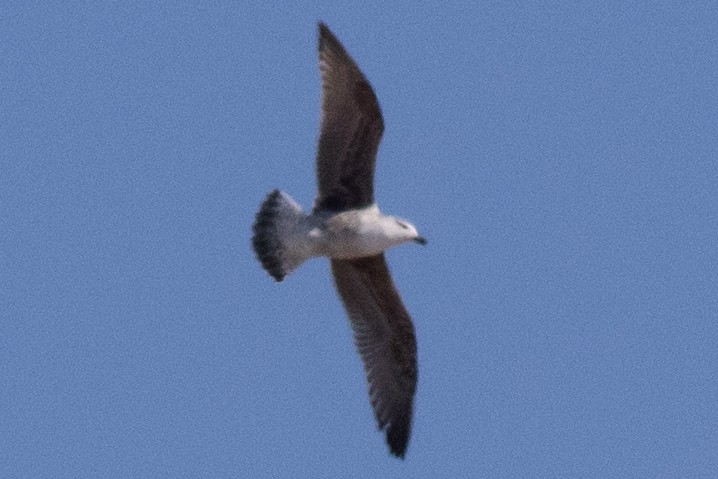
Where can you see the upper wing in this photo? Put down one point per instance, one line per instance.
(351, 129)
(384, 335)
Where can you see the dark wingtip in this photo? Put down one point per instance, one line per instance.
(327, 39)
(324, 32)
(398, 433)
(397, 437)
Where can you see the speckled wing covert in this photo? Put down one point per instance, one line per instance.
(351, 129)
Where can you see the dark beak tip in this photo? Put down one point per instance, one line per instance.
(421, 240)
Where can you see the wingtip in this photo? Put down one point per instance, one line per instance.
(328, 39)
(398, 432)
(323, 30)
(397, 436)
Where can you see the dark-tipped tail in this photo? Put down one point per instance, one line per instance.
(275, 227)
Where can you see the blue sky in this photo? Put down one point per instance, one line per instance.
(561, 159)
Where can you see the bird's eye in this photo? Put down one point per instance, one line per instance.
(403, 225)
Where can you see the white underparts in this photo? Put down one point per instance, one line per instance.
(285, 237)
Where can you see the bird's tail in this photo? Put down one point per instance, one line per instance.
(278, 240)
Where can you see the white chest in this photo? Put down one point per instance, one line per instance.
(351, 234)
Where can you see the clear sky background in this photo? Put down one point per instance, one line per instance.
(561, 159)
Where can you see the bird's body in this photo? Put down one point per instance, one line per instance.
(347, 226)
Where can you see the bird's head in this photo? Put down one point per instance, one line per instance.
(403, 231)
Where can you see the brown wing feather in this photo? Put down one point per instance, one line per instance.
(351, 129)
(384, 335)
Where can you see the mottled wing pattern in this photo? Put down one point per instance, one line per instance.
(385, 338)
(351, 129)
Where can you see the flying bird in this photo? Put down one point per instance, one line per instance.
(346, 226)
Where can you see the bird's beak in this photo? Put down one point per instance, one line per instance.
(421, 240)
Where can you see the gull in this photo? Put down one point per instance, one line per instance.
(346, 226)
